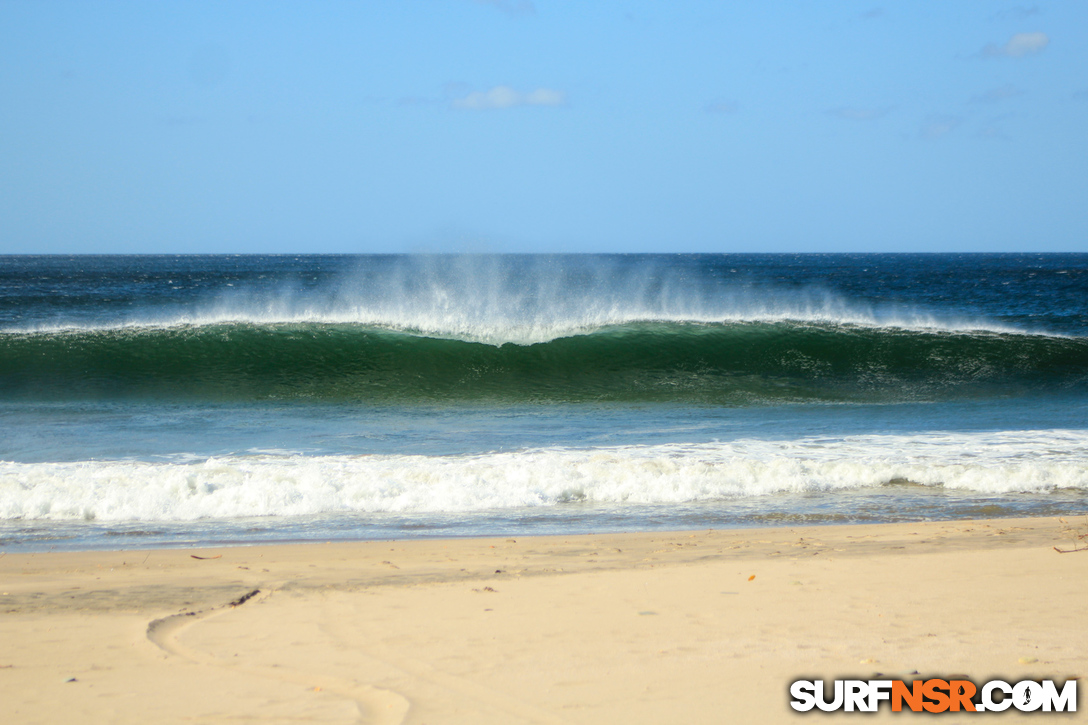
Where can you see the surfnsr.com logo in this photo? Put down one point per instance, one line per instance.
(934, 695)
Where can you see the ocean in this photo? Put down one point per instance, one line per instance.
(210, 400)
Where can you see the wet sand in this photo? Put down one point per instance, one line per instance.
(684, 627)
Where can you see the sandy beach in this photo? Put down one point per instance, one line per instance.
(685, 627)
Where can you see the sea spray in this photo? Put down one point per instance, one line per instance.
(496, 300)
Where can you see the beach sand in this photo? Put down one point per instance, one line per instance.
(685, 627)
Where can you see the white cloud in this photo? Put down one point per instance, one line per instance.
(545, 97)
(1018, 46)
(860, 114)
(994, 95)
(507, 97)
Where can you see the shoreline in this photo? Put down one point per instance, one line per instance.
(686, 626)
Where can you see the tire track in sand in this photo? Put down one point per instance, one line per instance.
(375, 706)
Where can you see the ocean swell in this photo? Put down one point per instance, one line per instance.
(722, 362)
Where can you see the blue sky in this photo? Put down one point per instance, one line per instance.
(532, 125)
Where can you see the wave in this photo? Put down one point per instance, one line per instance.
(489, 299)
(722, 362)
(292, 485)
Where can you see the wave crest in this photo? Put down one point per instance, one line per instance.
(524, 301)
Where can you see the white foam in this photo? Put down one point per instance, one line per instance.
(496, 300)
(288, 485)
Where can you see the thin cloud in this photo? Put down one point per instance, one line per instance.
(1018, 46)
(996, 95)
(874, 14)
(935, 127)
(721, 106)
(1020, 12)
(992, 132)
(860, 114)
(510, 7)
(507, 97)
(991, 128)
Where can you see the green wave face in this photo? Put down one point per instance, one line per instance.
(718, 363)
